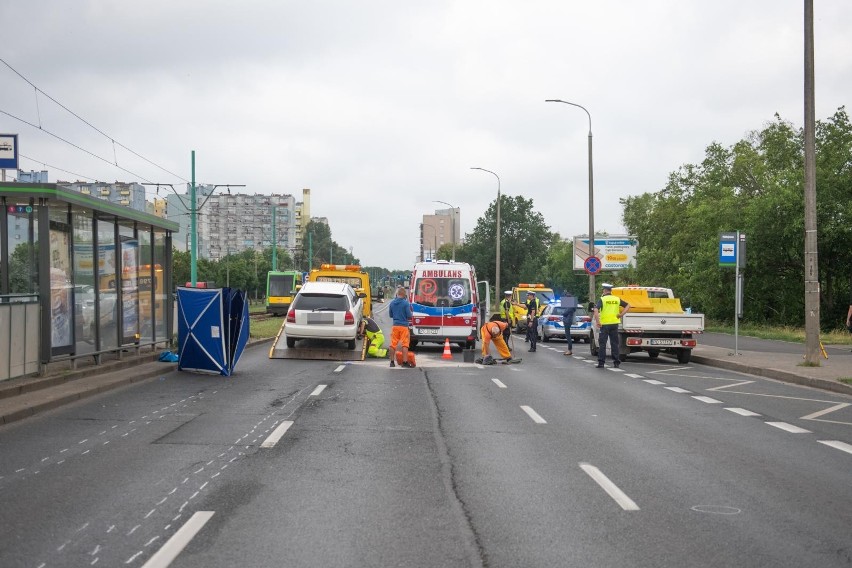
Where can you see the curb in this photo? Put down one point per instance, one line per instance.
(79, 388)
(777, 374)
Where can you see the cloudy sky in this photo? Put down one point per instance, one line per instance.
(383, 106)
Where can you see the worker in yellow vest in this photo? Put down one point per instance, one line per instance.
(608, 313)
(374, 337)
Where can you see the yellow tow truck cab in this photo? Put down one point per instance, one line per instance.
(349, 274)
(544, 294)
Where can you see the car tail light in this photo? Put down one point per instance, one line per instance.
(585, 318)
(348, 319)
(688, 342)
(554, 318)
(291, 316)
(634, 341)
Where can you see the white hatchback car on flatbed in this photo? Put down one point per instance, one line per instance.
(324, 310)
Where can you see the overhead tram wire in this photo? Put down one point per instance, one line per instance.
(89, 124)
(45, 164)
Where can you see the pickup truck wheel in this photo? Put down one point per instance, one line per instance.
(622, 357)
(653, 354)
(350, 344)
(683, 356)
(291, 342)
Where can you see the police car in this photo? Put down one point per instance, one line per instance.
(551, 325)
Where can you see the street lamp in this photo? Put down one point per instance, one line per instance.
(591, 197)
(454, 225)
(497, 291)
(434, 234)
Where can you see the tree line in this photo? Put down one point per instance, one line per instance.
(755, 186)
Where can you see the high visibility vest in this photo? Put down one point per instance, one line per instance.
(506, 309)
(610, 306)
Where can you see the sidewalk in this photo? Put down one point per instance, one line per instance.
(27, 396)
(23, 397)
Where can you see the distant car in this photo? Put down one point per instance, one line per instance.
(324, 310)
(551, 325)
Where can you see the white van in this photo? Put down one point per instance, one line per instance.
(445, 303)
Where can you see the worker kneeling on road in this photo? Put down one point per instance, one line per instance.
(492, 331)
(374, 337)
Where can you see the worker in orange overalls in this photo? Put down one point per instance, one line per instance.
(492, 331)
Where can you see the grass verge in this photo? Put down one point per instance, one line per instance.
(265, 328)
(794, 334)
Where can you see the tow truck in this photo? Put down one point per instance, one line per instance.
(544, 294)
(656, 323)
(324, 349)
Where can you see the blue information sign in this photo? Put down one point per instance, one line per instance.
(8, 151)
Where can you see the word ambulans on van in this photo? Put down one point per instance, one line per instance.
(445, 303)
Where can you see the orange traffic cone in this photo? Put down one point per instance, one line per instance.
(447, 353)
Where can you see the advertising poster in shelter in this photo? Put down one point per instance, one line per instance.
(60, 289)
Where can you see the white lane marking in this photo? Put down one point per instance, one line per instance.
(534, 415)
(743, 412)
(816, 415)
(611, 488)
(340, 368)
(707, 399)
(499, 383)
(276, 435)
(634, 376)
(514, 369)
(615, 369)
(170, 550)
(739, 384)
(653, 382)
(316, 392)
(789, 428)
(678, 390)
(842, 446)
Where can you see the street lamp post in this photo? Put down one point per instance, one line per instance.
(497, 292)
(422, 237)
(591, 196)
(454, 226)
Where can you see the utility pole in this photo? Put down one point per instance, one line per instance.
(811, 260)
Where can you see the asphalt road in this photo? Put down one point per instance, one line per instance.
(547, 463)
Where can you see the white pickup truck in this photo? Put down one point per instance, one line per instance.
(656, 324)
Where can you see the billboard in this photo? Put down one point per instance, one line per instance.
(616, 252)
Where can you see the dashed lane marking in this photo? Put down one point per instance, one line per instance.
(276, 434)
(533, 414)
(318, 390)
(707, 399)
(499, 383)
(678, 390)
(842, 446)
(742, 412)
(789, 428)
(611, 488)
(175, 545)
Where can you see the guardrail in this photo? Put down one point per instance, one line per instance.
(20, 335)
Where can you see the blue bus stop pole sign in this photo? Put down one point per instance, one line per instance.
(728, 249)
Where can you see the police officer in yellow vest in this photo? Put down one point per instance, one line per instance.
(507, 314)
(608, 313)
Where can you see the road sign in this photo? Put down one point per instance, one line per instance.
(592, 265)
(9, 151)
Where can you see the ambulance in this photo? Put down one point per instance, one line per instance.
(445, 304)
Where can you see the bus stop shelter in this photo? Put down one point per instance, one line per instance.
(99, 272)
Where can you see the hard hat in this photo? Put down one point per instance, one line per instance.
(508, 292)
(606, 285)
(530, 293)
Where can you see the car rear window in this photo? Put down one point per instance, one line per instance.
(321, 302)
(559, 311)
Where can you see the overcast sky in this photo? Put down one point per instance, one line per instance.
(382, 107)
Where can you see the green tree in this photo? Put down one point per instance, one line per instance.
(524, 242)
